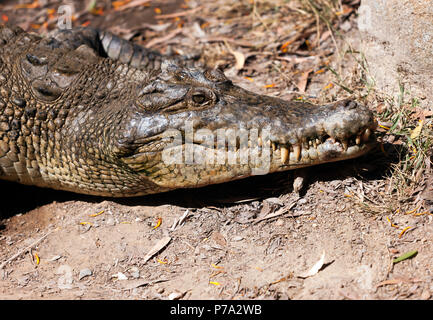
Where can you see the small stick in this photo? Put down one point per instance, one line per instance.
(241, 43)
(156, 41)
(178, 14)
(24, 250)
(277, 213)
(179, 221)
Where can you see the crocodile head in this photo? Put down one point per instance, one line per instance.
(193, 128)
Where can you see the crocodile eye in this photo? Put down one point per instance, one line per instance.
(181, 76)
(46, 90)
(199, 98)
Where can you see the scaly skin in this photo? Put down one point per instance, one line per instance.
(87, 112)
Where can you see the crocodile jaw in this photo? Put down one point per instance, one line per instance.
(193, 155)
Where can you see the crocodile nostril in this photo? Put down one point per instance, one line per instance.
(216, 75)
(35, 60)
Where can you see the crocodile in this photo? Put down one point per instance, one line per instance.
(85, 111)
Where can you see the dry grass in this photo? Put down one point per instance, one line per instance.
(405, 131)
(412, 130)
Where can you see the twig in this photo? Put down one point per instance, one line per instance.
(278, 213)
(132, 4)
(24, 250)
(189, 245)
(179, 221)
(132, 284)
(328, 25)
(241, 43)
(156, 41)
(178, 14)
(255, 13)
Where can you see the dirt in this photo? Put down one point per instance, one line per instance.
(248, 239)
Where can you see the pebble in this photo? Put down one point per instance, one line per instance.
(425, 295)
(120, 276)
(275, 201)
(302, 201)
(175, 296)
(279, 222)
(160, 290)
(134, 272)
(110, 222)
(84, 273)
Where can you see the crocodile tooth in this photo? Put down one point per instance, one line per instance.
(284, 154)
(345, 144)
(366, 135)
(314, 143)
(358, 139)
(317, 141)
(297, 151)
(259, 141)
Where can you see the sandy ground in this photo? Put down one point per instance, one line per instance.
(249, 239)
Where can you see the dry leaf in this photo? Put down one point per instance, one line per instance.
(239, 56)
(156, 248)
(302, 83)
(240, 59)
(397, 281)
(314, 269)
(381, 108)
(415, 132)
(421, 113)
(219, 238)
(198, 31)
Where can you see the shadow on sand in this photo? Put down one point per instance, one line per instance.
(18, 198)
